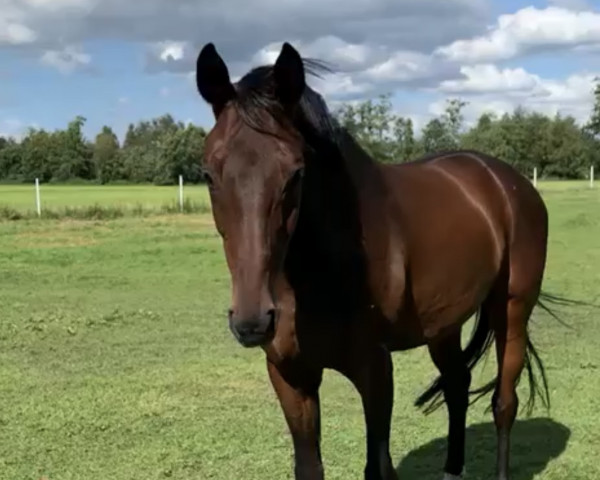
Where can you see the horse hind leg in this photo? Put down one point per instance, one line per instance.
(455, 379)
(512, 349)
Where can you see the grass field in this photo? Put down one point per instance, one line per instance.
(89, 201)
(116, 362)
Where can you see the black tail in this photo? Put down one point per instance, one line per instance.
(481, 340)
(479, 345)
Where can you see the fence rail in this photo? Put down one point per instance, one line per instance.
(93, 201)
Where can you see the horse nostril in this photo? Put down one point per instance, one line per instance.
(230, 314)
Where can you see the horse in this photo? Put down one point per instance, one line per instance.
(337, 260)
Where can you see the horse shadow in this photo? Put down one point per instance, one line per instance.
(534, 443)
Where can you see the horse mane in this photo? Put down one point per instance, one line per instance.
(256, 94)
(328, 236)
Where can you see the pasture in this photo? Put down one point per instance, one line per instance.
(93, 201)
(116, 361)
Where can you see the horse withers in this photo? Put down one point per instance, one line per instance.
(337, 260)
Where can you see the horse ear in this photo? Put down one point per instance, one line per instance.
(212, 78)
(289, 75)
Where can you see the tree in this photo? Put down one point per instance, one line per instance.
(453, 120)
(384, 135)
(37, 156)
(593, 125)
(160, 149)
(444, 133)
(11, 160)
(180, 154)
(106, 158)
(72, 154)
(405, 145)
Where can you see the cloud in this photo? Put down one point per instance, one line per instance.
(529, 29)
(375, 46)
(358, 69)
(169, 55)
(482, 89)
(418, 25)
(67, 59)
(486, 78)
(15, 33)
(358, 32)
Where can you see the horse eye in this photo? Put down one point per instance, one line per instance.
(292, 185)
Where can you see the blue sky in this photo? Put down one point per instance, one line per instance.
(115, 64)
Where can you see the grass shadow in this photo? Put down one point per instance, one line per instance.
(534, 443)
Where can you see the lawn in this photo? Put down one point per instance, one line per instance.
(70, 200)
(116, 362)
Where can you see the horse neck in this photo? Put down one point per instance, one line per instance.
(362, 170)
(340, 176)
(326, 261)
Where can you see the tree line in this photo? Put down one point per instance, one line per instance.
(153, 151)
(159, 150)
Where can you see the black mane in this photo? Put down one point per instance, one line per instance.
(325, 260)
(256, 94)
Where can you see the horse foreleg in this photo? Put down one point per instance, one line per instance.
(373, 379)
(300, 403)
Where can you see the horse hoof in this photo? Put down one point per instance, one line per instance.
(449, 476)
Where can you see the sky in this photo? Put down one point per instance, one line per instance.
(116, 62)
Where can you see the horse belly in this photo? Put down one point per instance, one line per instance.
(453, 260)
(445, 244)
(452, 276)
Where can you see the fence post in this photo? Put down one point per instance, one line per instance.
(592, 176)
(535, 177)
(181, 193)
(38, 204)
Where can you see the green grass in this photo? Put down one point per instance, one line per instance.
(116, 362)
(99, 202)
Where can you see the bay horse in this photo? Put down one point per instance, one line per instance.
(337, 260)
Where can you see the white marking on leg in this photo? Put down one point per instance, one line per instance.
(449, 476)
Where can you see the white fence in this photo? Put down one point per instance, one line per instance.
(38, 201)
(535, 177)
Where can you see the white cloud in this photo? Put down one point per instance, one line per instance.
(356, 35)
(171, 51)
(402, 66)
(375, 46)
(341, 86)
(358, 69)
(528, 29)
(485, 78)
(229, 24)
(66, 60)
(15, 33)
(372, 43)
(572, 96)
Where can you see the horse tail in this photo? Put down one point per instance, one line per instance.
(479, 344)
